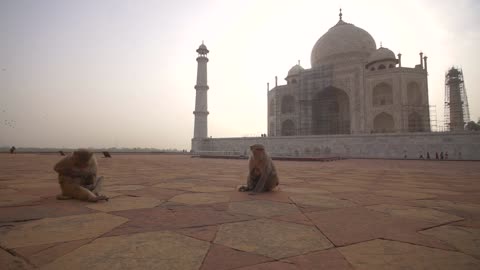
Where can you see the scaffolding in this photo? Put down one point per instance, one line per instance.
(419, 118)
(456, 104)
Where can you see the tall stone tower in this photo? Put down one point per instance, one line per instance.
(200, 129)
(456, 103)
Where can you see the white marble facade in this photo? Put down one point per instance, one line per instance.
(351, 88)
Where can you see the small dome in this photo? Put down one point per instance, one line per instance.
(202, 49)
(342, 40)
(295, 70)
(382, 54)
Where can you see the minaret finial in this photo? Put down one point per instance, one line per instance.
(202, 42)
(299, 62)
(340, 14)
(381, 46)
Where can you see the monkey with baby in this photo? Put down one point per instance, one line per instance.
(77, 176)
(262, 175)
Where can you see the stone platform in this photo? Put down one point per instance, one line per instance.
(177, 212)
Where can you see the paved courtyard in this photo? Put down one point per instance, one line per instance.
(177, 212)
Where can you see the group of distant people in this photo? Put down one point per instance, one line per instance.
(440, 156)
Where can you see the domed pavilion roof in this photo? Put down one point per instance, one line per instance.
(382, 54)
(295, 70)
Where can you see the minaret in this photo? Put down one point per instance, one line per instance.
(200, 129)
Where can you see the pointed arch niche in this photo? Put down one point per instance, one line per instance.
(383, 123)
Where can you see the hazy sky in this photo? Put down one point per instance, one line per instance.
(121, 73)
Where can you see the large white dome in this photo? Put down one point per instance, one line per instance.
(344, 40)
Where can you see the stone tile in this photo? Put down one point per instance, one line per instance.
(199, 198)
(270, 266)
(383, 254)
(157, 193)
(43, 254)
(183, 186)
(412, 237)
(236, 196)
(473, 197)
(475, 223)
(125, 203)
(321, 201)
(321, 260)
(466, 210)
(17, 198)
(430, 215)
(407, 195)
(205, 233)
(365, 198)
(464, 239)
(299, 218)
(111, 194)
(34, 185)
(223, 258)
(262, 208)
(276, 196)
(41, 192)
(54, 208)
(61, 229)
(4, 191)
(149, 250)
(211, 189)
(438, 191)
(160, 218)
(304, 190)
(274, 239)
(357, 224)
(345, 189)
(8, 261)
(122, 187)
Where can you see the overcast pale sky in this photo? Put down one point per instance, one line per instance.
(118, 73)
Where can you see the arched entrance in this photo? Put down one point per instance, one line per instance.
(383, 123)
(288, 128)
(331, 112)
(415, 122)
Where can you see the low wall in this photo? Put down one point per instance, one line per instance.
(458, 145)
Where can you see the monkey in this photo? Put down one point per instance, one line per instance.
(77, 176)
(262, 175)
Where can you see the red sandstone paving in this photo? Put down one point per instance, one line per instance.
(321, 260)
(157, 193)
(47, 208)
(220, 257)
(43, 254)
(32, 174)
(270, 266)
(351, 225)
(295, 218)
(159, 218)
(475, 223)
(205, 233)
(366, 198)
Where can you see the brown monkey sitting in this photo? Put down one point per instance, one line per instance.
(262, 175)
(77, 176)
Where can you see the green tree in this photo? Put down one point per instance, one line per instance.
(472, 126)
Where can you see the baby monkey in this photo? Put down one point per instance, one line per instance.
(262, 175)
(77, 176)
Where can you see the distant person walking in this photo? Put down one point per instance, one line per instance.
(428, 155)
(436, 155)
(12, 150)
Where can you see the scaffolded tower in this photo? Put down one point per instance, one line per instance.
(456, 103)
